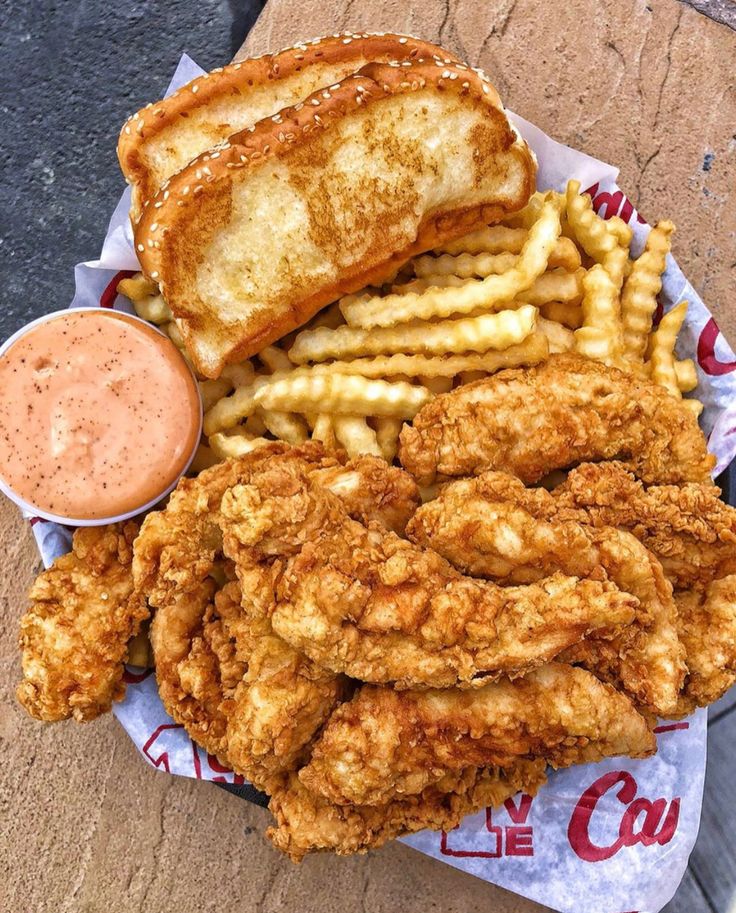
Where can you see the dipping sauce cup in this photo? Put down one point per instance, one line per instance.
(100, 416)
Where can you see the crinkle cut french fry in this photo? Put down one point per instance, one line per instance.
(255, 425)
(212, 391)
(465, 266)
(615, 265)
(226, 445)
(662, 349)
(565, 312)
(285, 426)
(275, 359)
(356, 435)
(694, 405)
(555, 285)
(387, 435)
(239, 374)
(686, 374)
(153, 309)
(146, 299)
(203, 459)
(589, 228)
(599, 337)
(436, 383)
(227, 412)
(469, 334)
(639, 296)
(137, 287)
(139, 650)
(496, 239)
(343, 394)
(559, 338)
(564, 255)
(438, 302)
(620, 230)
(324, 431)
(529, 352)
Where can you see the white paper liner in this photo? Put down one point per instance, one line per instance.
(603, 838)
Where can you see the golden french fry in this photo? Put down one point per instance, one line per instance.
(620, 230)
(324, 431)
(239, 374)
(559, 338)
(589, 228)
(255, 425)
(436, 383)
(467, 377)
(285, 426)
(174, 333)
(639, 297)
(146, 299)
(564, 255)
(555, 285)
(387, 435)
(226, 446)
(565, 312)
(615, 264)
(686, 374)
(527, 216)
(227, 412)
(275, 359)
(203, 459)
(469, 334)
(342, 394)
(529, 352)
(496, 239)
(662, 349)
(694, 405)
(137, 287)
(211, 391)
(433, 280)
(600, 335)
(438, 302)
(139, 650)
(465, 266)
(356, 435)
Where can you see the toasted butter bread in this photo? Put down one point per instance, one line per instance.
(162, 138)
(253, 238)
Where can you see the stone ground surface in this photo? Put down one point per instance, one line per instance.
(87, 826)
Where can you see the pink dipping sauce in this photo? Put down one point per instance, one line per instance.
(99, 415)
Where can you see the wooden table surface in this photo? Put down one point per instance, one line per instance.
(87, 826)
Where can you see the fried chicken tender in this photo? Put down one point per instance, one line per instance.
(74, 637)
(708, 631)
(492, 526)
(688, 527)
(386, 744)
(530, 421)
(360, 600)
(306, 822)
(241, 692)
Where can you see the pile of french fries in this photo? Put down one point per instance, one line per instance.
(554, 277)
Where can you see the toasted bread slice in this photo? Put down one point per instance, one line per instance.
(162, 138)
(251, 239)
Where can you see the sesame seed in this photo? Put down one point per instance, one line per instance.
(154, 226)
(326, 95)
(195, 88)
(154, 275)
(158, 205)
(127, 130)
(140, 247)
(315, 102)
(215, 155)
(335, 87)
(403, 40)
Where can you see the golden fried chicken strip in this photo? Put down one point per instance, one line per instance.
(306, 822)
(241, 692)
(708, 630)
(492, 526)
(385, 744)
(688, 527)
(362, 601)
(530, 421)
(74, 637)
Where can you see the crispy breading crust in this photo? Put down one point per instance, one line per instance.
(244, 79)
(306, 822)
(530, 421)
(492, 526)
(74, 637)
(179, 221)
(386, 744)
